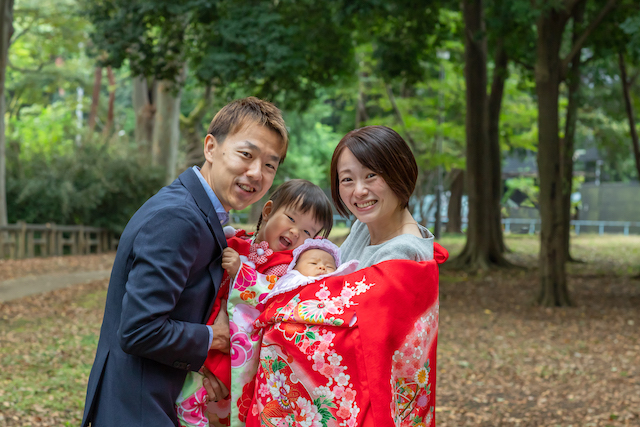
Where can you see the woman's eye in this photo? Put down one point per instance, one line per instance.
(290, 219)
(345, 180)
(308, 234)
(371, 175)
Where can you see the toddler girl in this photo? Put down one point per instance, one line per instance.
(297, 210)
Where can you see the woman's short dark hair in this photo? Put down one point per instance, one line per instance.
(304, 196)
(382, 150)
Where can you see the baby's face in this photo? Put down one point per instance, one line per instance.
(315, 262)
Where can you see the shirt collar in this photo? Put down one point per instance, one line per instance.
(223, 216)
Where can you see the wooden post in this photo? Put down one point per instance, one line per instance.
(51, 239)
(21, 238)
(82, 242)
(59, 243)
(30, 243)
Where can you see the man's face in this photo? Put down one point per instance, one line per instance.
(241, 169)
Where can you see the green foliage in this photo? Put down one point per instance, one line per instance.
(45, 58)
(91, 185)
(311, 145)
(526, 185)
(283, 50)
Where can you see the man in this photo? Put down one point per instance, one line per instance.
(167, 272)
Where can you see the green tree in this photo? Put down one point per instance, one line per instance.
(6, 28)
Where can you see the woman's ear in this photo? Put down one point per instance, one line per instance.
(266, 210)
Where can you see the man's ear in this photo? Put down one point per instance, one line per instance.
(266, 210)
(210, 146)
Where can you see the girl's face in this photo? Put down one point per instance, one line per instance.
(365, 193)
(287, 228)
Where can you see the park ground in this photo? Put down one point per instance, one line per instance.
(502, 361)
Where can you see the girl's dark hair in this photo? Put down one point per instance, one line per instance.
(304, 196)
(382, 150)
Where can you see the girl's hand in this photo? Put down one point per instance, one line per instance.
(231, 262)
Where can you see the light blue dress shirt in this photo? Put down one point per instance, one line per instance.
(223, 216)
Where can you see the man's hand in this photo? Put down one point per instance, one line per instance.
(221, 339)
(216, 390)
(231, 262)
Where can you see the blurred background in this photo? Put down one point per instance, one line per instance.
(522, 116)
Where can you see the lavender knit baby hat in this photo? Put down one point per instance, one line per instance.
(324, 244)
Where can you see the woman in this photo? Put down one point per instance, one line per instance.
(373, 174)
(353, 349)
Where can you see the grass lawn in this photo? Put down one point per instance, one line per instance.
(502, 361)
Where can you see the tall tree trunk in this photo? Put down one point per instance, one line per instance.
(455, 202)
(553, 291)
(500, 74)
(191, 130)
(6, 30)
(166, 130)
(567, 144)
(95, 98)
(143, 105)
(629, 108)
(481, 249)
(550, 70)
(112, 99)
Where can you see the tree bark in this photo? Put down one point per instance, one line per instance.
(500, 74)
(455, 202)
(112, 99)
(481, 250)
(143, 105)
(6, 30)
(166, 129)
(192, 131)
(550, 70)
(629, 108)
(553, 290)
(95, 98)
(567, 143)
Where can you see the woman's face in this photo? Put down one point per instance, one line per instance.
(365, 193)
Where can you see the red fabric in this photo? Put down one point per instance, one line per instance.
(219, 364)
(440, 254)
(380, 369)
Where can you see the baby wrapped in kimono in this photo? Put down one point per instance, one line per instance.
(314, 260)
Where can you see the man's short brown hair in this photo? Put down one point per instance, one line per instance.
(238, 114)
(382, 150)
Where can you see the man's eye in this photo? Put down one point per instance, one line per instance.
(270, 166)
(290, 219)
(308, 234)
(246, 154)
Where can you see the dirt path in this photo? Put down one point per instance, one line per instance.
(23, 277)
(30, 285)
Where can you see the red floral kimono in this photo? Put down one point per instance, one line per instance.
(348, 350)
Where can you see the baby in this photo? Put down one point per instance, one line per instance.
(312, 260)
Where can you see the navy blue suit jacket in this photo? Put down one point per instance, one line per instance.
(164, 279)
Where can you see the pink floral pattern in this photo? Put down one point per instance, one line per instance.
(241, 346)
(191, 410)
(411, 374)
(332, 399)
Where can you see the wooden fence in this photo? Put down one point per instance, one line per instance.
(22, 240)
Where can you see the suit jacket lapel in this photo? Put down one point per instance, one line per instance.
(191, 182)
